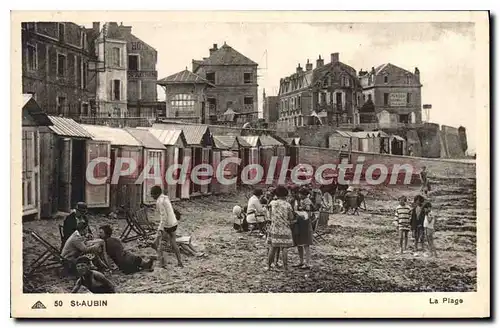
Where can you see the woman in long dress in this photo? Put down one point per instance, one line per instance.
(280, 235)
(302, 234)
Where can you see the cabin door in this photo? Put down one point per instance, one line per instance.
(154, 160)
(65, 174)
(97, 189)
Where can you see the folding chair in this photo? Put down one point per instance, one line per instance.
(138, 225)
(50, 258)
(317, 233)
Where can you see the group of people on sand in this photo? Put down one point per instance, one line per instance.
(285, 217)
(87, 257)
(416, 218)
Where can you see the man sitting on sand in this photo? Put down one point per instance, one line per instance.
(94, 281)
(77, 245)
(79, 214)
(126, 262)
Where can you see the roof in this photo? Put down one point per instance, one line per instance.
(226, 55)
(32, 113)
(193, 133)
(397, 137)
(167, 137)
(380, 68)
(252, 141)
(117, 137)
(268, 141)
(225, 142)
(68, 127)
(145, 138)
(183, 77)
(363, 134)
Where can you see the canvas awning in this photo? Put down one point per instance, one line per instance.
(252, 141)
(225, 142)
(268, 141)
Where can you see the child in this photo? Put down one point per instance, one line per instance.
(429, 228)
(239, 219)
(94, 281)
(417, 221)
(425, 181)
(403, 212)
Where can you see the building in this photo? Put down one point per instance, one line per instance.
(235, 80)
(55, 58)
(325, 95)
(391, 95)
(141, 74)
(111, 50)
(185, 97)
(270, 108)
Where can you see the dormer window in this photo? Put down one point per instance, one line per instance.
(408, 79)
(386, 79)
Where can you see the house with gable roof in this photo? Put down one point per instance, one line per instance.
(235, 79)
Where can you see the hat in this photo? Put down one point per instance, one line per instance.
(350, 188)
(81, 206)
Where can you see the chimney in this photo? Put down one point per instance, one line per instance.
(213, 49)
(309, 66)
(335, 57)
(299, 69)
(319, 62)
(373, 70)
(125, 29)
(417, 74)
(96, 26)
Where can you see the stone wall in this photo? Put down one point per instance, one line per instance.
(452, 142)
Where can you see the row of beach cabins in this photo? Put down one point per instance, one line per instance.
(56, 151)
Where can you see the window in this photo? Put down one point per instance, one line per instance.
(32, 57)
(116, 57)
(408, 79)
(84, 40)
(116, 89)
(85, 109)
(117, 112)
(370, 97)
(248, 100)
(133, 62)
(386, 79)
(408, 98)
(139, 89)
(212, 104)
(61, 105)
(404, 118)
(182, 104)
(61, 65)
(298, 102)
(61, 32)
(247, 78)
(210, 77)
(386, 99)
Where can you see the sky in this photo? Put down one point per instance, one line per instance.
(441, 51)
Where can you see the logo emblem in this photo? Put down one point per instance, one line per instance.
(38, 305)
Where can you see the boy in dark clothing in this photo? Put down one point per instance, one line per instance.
(126, 262)
(417, 221)
(79, 214)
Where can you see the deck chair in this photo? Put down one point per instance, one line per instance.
(317, 229)
(138, 226)
(50, 258)
(61, 234)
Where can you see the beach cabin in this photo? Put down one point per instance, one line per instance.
(199, 149)
(225, 147)
(269, 148)
(117, 190)
(343, 140)
(175, 144)
(65, 148)
(292, 151)
(372, 141)
(396, 145)
(34, 123)
(249, 153)
(153, 162)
